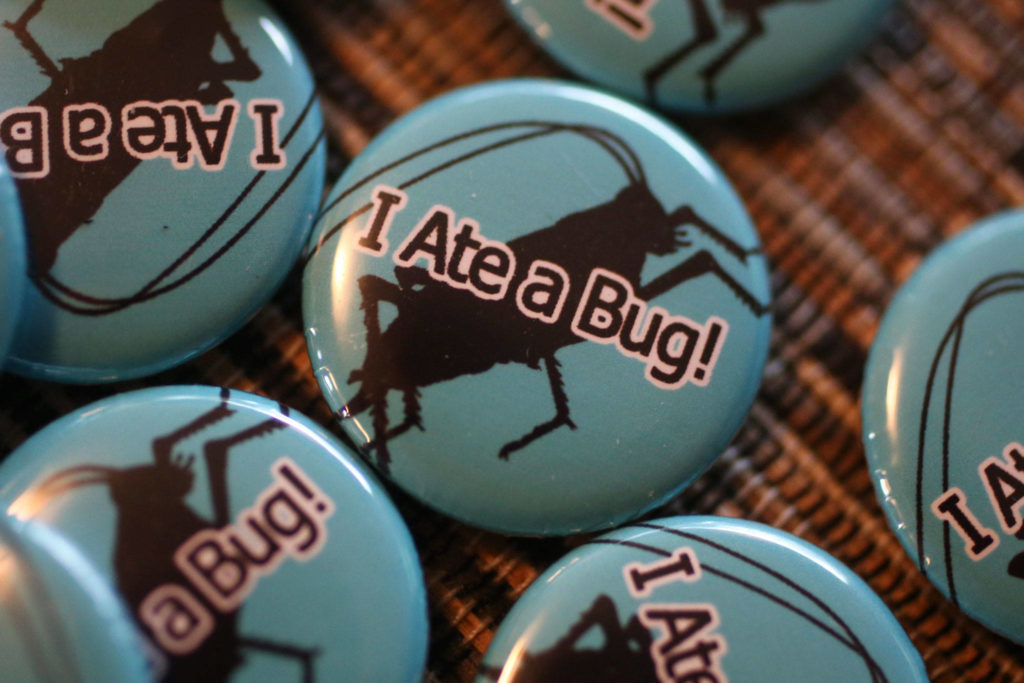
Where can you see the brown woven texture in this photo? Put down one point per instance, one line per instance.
(849, 187)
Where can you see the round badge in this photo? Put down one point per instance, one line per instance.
(700, 599)
(537, 307)
(942, 408)
(248, 544)
(169, 160)
(59, 620)
(702, 55)
(12, 260)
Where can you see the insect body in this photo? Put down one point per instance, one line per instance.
(154, 520)
(163, 54)
(705, 32)
(623, 655)
(442, 332)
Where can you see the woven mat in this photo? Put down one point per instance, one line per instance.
(849, 188)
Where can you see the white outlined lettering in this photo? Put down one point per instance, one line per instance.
(632, 17)
(267, 154)
(24, 133)
(177, 620)
(387, 201)
(86, 132)
(676, 350)
(952, 507)
(642, 579)
(542, 295)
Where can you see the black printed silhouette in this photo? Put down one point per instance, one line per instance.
(705, 32)
(624, 654)
(998, 285)
(153, 520)
(164, 53)
(441, 333)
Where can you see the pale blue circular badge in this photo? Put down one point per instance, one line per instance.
(942, 401)
(246, 541)
(700, 599)
(537, 307)
(702, 55)
(169, 160)
(12, 260)
(59, 619)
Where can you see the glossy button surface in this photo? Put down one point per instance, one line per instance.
(247, 542)
(537, 307)
(12, 260)
(699, 599)
(942, 404)
(59, 620)
(169, 162)
(702, 55)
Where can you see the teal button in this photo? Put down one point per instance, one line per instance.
(12, 261)
(59, 620)
(702, 55)
(700, 599)
(536, 307)
(248, 544)
(942, 406)
(169, 160)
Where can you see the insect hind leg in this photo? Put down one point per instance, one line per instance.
(304, 656)
(20, 30)
(755, 29)
(705, 33)
(215, 453)
(561, 412)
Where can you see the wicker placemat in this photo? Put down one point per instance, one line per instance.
(849, 187)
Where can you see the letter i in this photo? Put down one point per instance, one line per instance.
(386, 202)
(268, 155)
(951, 507)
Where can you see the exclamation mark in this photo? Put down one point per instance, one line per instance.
(713, 341)
(291, 472)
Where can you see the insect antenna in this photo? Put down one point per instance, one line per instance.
(611, 143)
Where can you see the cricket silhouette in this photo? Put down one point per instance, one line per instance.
(165, 53)
(441, 333)
(153, 520)
(624, 654)
(996, 286)
(705, 32)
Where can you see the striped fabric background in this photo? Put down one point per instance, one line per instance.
(849, 187)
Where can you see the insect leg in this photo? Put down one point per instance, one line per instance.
(755, 29)
(561, 412)
(163, 445)
(686, 215)
(20, 30)
(701, 263)
(304, 656)
(215, 453)
(705, 33)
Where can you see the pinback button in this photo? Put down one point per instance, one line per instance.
(247, 542)
(699, 599)
(169, 161)
(12, 260)
(942, 406)
(702, 55)
(59, 620)
(537, 307)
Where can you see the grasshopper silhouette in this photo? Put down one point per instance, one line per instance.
(441, 333)
(705, 32)
(165, 53)
(153, 521)
(623, 656)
